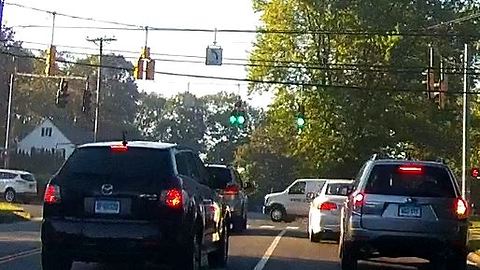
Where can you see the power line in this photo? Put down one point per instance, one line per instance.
(133, 27)
(270, 82)
(71, 16)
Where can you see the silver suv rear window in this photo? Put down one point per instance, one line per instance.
(410, 180)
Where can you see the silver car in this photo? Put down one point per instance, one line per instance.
(324, 213)
(404, 208)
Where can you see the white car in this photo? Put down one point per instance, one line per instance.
(293, 201)
(17, 186)
(325, 210)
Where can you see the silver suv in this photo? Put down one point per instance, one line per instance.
(402, 208)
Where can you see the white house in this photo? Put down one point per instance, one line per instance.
(55, 138)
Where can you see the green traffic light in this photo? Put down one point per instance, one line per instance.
(233, 120)
(300, 122)
(240, 119)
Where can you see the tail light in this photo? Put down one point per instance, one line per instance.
(461, 208)
(328, 206)
(173, 198)
(119, 148)
(410, 169)
(358, 201)
(52, 194)
(231, 190)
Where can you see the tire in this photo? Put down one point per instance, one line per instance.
(315, 237)
(10, 195)
(54, 261)
(219, 257)
(452, 262)
(191, 259)
(277, 214)
(349, 258)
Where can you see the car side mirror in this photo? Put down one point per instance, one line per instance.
(311, 196)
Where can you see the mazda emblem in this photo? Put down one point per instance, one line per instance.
(107, 189)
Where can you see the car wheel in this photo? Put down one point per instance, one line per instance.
(54, 261)
(456, 261)
(192, 258)
(349, 258)
(315, 237)
(219, 257)
(277, 214)
(10, 196)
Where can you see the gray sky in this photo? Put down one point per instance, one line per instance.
(205, 14)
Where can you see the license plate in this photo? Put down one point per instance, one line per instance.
(107, 207)
(410, 211)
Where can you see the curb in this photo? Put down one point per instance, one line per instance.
(474, 259)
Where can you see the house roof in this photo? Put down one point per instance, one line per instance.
(76, 135)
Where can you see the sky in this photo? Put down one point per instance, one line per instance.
(205, 14)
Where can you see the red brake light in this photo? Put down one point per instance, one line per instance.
(475, 172)
(173, 198)
(231, 190)
(119, 148)
(410, 169)
(461, 208)
(52, 194)
(328, 206)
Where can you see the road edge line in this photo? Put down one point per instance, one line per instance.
(19, 255)
(261, 264)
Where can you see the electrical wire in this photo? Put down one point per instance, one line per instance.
(270, 82)
(128, 26)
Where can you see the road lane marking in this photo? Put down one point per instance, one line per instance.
(19, 255)
(261, 264)
(293, 227)
(267, 227)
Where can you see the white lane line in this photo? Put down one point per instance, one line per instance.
(19, 255)
(293, 227)
(267, 227)
(261, 264)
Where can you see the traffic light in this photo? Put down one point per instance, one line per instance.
(429, 83)
(50, 67)
(62, 94)
(300, 118)
(145, 67)
(238, 116)
(87, 99)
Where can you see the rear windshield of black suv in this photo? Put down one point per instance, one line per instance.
(410, 180)
(219, 176)
(137, 166)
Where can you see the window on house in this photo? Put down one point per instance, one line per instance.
(46, 132)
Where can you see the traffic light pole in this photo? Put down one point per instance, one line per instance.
(100, 43)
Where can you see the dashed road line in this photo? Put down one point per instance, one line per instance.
(261, 264)
(267, 227)
(19, 255)
(293, 227)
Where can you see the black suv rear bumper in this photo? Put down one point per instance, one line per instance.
(104, 242)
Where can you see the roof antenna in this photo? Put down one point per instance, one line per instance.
(124, 138)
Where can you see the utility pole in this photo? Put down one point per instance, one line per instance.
(466, 113)
(6, 160)
(99, 42)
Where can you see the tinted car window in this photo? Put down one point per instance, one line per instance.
(427, 181)
(298, 188)
(136, 165)
(339, 189)
(28, 177)
(182, 164)
(220, 177)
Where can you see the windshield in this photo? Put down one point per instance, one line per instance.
(420, 181)
(135, 165)
(220, 177)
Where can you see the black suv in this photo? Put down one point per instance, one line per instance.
(404, 208)
(233, 191)
(132, 203)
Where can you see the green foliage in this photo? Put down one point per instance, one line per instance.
(368, 94)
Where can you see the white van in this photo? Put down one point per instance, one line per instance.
(17, 186)
(293, 201)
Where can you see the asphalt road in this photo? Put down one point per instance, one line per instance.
(264, 246)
